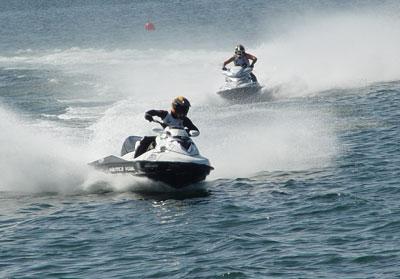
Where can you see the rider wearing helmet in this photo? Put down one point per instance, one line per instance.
(241, 58)
(176, 117)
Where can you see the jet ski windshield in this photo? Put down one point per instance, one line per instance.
(177, 133)
(180, 140)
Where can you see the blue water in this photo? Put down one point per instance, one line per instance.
(306, 183)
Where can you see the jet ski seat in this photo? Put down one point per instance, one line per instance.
(129, 144)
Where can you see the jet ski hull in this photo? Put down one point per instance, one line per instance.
(241, 93)
(175, 174)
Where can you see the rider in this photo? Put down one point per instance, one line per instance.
(176, 117)
(241, 58)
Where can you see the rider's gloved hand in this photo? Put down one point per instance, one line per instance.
(251, 66)
(148, 117)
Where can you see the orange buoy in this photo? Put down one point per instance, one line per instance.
(149, 26)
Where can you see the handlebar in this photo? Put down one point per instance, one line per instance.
(192, 133)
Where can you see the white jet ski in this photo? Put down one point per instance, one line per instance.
(171, 157)
(239, 84)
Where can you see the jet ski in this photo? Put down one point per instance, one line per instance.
(240, 84)
(170, 157)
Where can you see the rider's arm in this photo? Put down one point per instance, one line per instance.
(251, 57)
(187, 123)
(229, 61)
(160, 113)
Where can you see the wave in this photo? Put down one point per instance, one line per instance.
(34, 160)
(343, 50)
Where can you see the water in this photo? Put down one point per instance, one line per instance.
(305, 184)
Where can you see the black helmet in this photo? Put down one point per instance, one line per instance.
(239, 49)
(180, 106)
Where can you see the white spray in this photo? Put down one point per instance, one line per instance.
(332, 52)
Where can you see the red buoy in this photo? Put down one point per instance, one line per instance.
(149, 26)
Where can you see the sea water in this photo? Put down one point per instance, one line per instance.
(306, 181)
